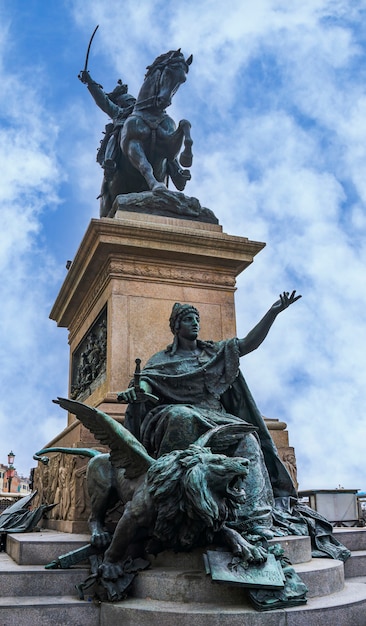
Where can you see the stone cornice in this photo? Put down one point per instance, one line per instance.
(156, 249)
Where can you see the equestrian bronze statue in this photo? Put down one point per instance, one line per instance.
(140, 149)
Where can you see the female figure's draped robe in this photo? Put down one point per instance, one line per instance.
(198, 392)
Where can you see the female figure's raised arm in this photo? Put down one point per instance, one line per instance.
(255, 337)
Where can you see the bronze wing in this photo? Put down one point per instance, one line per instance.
(222, 438)
(125, 450)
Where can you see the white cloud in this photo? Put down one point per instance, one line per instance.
(29, 180)
(276, 98)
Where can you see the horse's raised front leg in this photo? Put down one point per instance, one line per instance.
(136, 154)
(186, 156)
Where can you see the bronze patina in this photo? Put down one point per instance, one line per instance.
(141, 145)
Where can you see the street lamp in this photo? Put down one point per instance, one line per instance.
(11, 469)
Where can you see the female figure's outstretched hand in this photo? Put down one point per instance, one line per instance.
(286, 299)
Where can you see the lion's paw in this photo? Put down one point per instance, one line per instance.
(258, 554)
(248, 552)
(100, 539)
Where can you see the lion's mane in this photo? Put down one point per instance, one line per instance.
(188, 513)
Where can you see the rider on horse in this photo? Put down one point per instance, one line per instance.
(140, 148)
(118, 104)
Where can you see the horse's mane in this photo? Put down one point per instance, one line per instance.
(165, 59)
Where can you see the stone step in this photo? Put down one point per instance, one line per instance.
(43, 547)
(356, 565)
(46, 610)
(340, 609)
(35, 580)
(296, 548)
(185, 594)
(321, 576)
(40, 548)
(352, 538)
(358, 579)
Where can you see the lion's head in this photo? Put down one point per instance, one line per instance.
(194, 492)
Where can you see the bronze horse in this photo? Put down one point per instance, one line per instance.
(149, 140)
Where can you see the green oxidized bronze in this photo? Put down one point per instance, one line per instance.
(141, 145)
(195, 465)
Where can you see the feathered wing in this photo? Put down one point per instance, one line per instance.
(125, 450)
(221, 438)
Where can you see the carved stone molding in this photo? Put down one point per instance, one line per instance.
(151, 250)
(172, 273)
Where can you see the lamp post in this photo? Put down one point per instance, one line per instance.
(11, 469)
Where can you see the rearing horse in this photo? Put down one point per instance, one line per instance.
(149, 140)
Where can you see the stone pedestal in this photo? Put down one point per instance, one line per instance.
(128, 272)
(286, 452)
(116, 301)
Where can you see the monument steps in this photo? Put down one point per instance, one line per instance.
(353, 538)
(321, 576)
(31, 580)
(341, 609)
(176, 590)
(40, 548)
(356, 564)
(57, 610)
(358, 579)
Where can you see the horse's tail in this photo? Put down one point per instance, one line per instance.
(87, 452)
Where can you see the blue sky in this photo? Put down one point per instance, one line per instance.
(276, 96)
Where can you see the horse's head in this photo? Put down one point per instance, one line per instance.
(162, 80)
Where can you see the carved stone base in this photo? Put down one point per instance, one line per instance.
(63, 482)
(119, 291)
